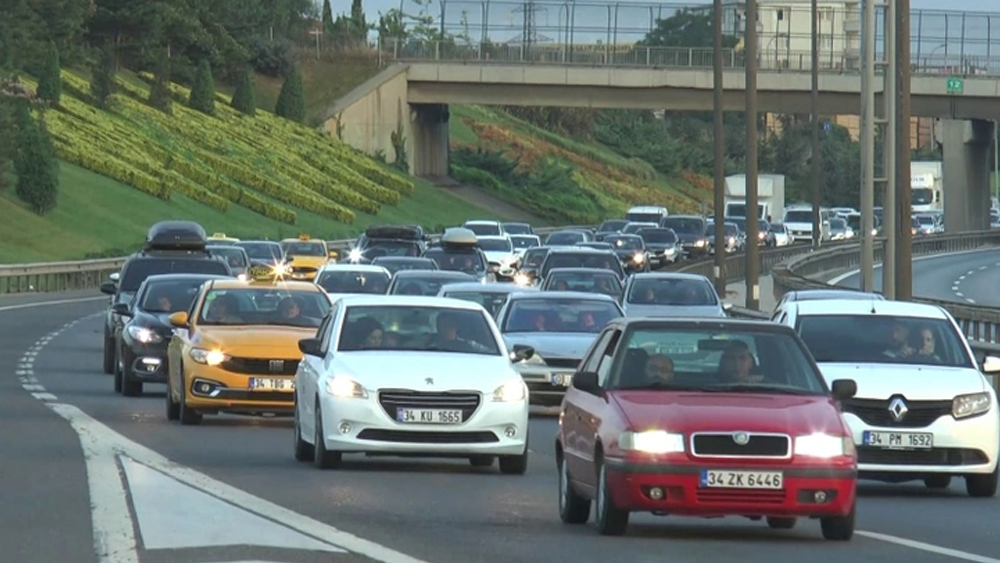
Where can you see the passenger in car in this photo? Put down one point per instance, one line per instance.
(900, 341)
(737, 363)
(367, 334)
(660, 368)
(927, 345)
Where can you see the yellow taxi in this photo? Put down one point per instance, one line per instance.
(238, 349)
(305, 257)
(221, 237)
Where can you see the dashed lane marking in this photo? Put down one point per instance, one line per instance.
(929, 548)
(49, 303)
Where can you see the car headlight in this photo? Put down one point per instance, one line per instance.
(354, 255)
(732, 240)
(964, 406)
(700, 242)
(242, 277)
(652, 442)
(522, 279)
(282, 269)
(511, 392)
(345, 388)
(639, 258)
(761, 235)
(143, 335)
(823, 445)
(207, 357)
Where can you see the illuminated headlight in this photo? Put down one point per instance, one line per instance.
(242, 277)
(874, 232)
(823, 445)
(639, 258)
(732, 240)
(208, 357)
(522, 279)
(282, 269)
(354, 255)
(652, 442)
(510, 392)
(761, 236)
(345, 388)
(700, 243)
(143, 335)
(968, 405)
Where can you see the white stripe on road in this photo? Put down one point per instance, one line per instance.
(929, 548)
(48, 303)
(836, 280)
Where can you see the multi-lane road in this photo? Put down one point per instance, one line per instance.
(83, 467)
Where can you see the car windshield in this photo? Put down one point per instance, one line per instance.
(676, 292)
(524, 241)
(606, 283)
(612, 226)
(600, 260)
(351, 281)
(270, 251)
(777, 228)
(624, 243)
(925, 219)
(483, 229)
(170, 296)
(429, 285)
(137, 270)
(417, 329)
(534, 258)
(687, 225)
(740, 222)
(303, 248)
(564, 238)
(375, 248)
(410, 264)
(743, 360)
(235, 257)
(492, 301)
(874, 339)
(838, 224)
(495, 245)
(633, 228)
(730, 229)
(799, 216)
(517, 228)
(560, 315)
(658, 236)
(264, 306)
(458, 260)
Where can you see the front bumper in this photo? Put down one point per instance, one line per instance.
(630, 484)
(546, 384)
(362, 426)
(145, 362)
(231, 392)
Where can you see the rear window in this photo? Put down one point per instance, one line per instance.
(684, 225)
(601, 260)
(137, 270)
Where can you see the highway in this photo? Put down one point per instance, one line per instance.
(970, 277)
(83, 466)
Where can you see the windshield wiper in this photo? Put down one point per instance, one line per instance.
(762, 388)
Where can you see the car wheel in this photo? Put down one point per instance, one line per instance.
(481, 460)
(118, 372)
(173, 409)
(776, 523)
(982, 486)
(188, 417)
(573, 508)
(109, 353)
(938, 481)
(304, 451)
(839, 528)
(322, 458)
(611, 520)
(515, 464)
(130, 387)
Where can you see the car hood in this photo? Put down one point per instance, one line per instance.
(445, 370)
(308, 261)
(689, 237)
(274, 342)
(673, 311)
(660, 245)
(699, 412)
(553, 344)
(917, 383)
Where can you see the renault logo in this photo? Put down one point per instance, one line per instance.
(898, 409)
(429, 381)
(741, 438)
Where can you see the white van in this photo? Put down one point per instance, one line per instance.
(798, 223)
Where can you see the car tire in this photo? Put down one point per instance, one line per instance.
(839, 528)
(323, 458)
(109, 353)
(573, 508)
(781, 523)
(173, 409)
(187, 416)
(130, 387)
(610, 520)
(117, 373)
(481, 461)
(982, 486)
(304, 451)
(938, 481)
(515, 464)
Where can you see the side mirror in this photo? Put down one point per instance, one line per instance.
(727, 306)
(991, 364)
(586, 381)
(122, 309)
(844, 389)
(310, 347)
(179, 319)
(109, 288)
(334, 254)
(521, 352)
(115, 276)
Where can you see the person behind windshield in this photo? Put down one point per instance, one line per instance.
(160, 300)
(659, 369)
(737, 364)
(561, 285)
(447, 337)
(588, 323)
(288, 309)
(223, 310)
(927, 345)
(366, 334)
(900, 346)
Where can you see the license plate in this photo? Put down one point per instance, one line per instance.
(429, 416)
(271, 384)
(562, 379)
(899, 440)
(721, 479)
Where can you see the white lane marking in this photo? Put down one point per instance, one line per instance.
(48, 303)
(982, 268)
(842, 277)
(44, 397)
(961, 277)
(929, 548)
(163, 507)
(970, 300)
(954, 287)
(960, 294)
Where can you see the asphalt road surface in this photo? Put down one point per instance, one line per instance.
(91, 476)
(969, 278)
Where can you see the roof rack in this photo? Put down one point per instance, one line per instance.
(176, 235)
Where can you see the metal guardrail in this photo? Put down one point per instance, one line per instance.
(46, 277)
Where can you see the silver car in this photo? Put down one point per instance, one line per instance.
(492, 296)
(674, 294)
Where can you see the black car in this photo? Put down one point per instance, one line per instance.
(266, 253)
(172, 247)
(690, 231)
(141, 343)
(531, 263)
(584, 280)
(631, 251)
(399, 263)
(662, 244)
(389, 240)
(580, 258)
(610, 227)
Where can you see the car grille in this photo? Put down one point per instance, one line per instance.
(562, 362)
(427, 437)
(258, 366)
(876, 412)
(303, 270)
(727, 496)
(933, 456)
(723, 444)
(393, 399)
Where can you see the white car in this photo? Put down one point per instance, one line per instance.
(500, 253)
(485, 228)
(407, 375)
(923, 410)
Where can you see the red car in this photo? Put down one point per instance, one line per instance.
(710, 418)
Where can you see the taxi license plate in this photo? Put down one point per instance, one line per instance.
(562, 379)
(428, 416)
(899, 440)
(716, 478)
(271, 384)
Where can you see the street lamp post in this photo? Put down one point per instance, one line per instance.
(814, 103)
(904, 236)
(867, 145)
(752, 250)
(719, 143)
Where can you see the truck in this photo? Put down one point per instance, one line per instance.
(770, 196)
(926, 193)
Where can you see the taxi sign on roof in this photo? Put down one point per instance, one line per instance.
(304, 236)
(218, 235)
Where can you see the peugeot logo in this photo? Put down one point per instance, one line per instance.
(741, 438)
(898, 409)
(429, 381)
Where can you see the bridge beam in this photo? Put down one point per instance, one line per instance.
(966, 164)
(429, 123)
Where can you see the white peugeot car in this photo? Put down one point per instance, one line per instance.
(923, 410)
(410, 376)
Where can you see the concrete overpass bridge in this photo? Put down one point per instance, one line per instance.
(420, 80)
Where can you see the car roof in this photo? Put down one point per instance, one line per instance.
(870, 307)
(493, 237)
(401, 259)
(685, 217)
(728, 323)
(555, 271)
(369, 300)
(669, 275)
(186, 277)
(233, 283)
(517, 223)
(521, 235)
(564, 295)
(579, 249)
(430, 273)
(242, 242)
(352, 268)
(486, 287)
(814, 294)
(482, 222)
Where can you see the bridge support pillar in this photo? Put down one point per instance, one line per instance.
(429, 124)
(966, 164)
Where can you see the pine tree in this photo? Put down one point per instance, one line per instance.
(50, 81)
(327, 17)
(203, 90)
(35, 165)
(102, 82)
(291, 101)
(359, 27)
(243, 98)
(159, 94)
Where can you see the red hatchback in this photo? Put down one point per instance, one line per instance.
(705, 418)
